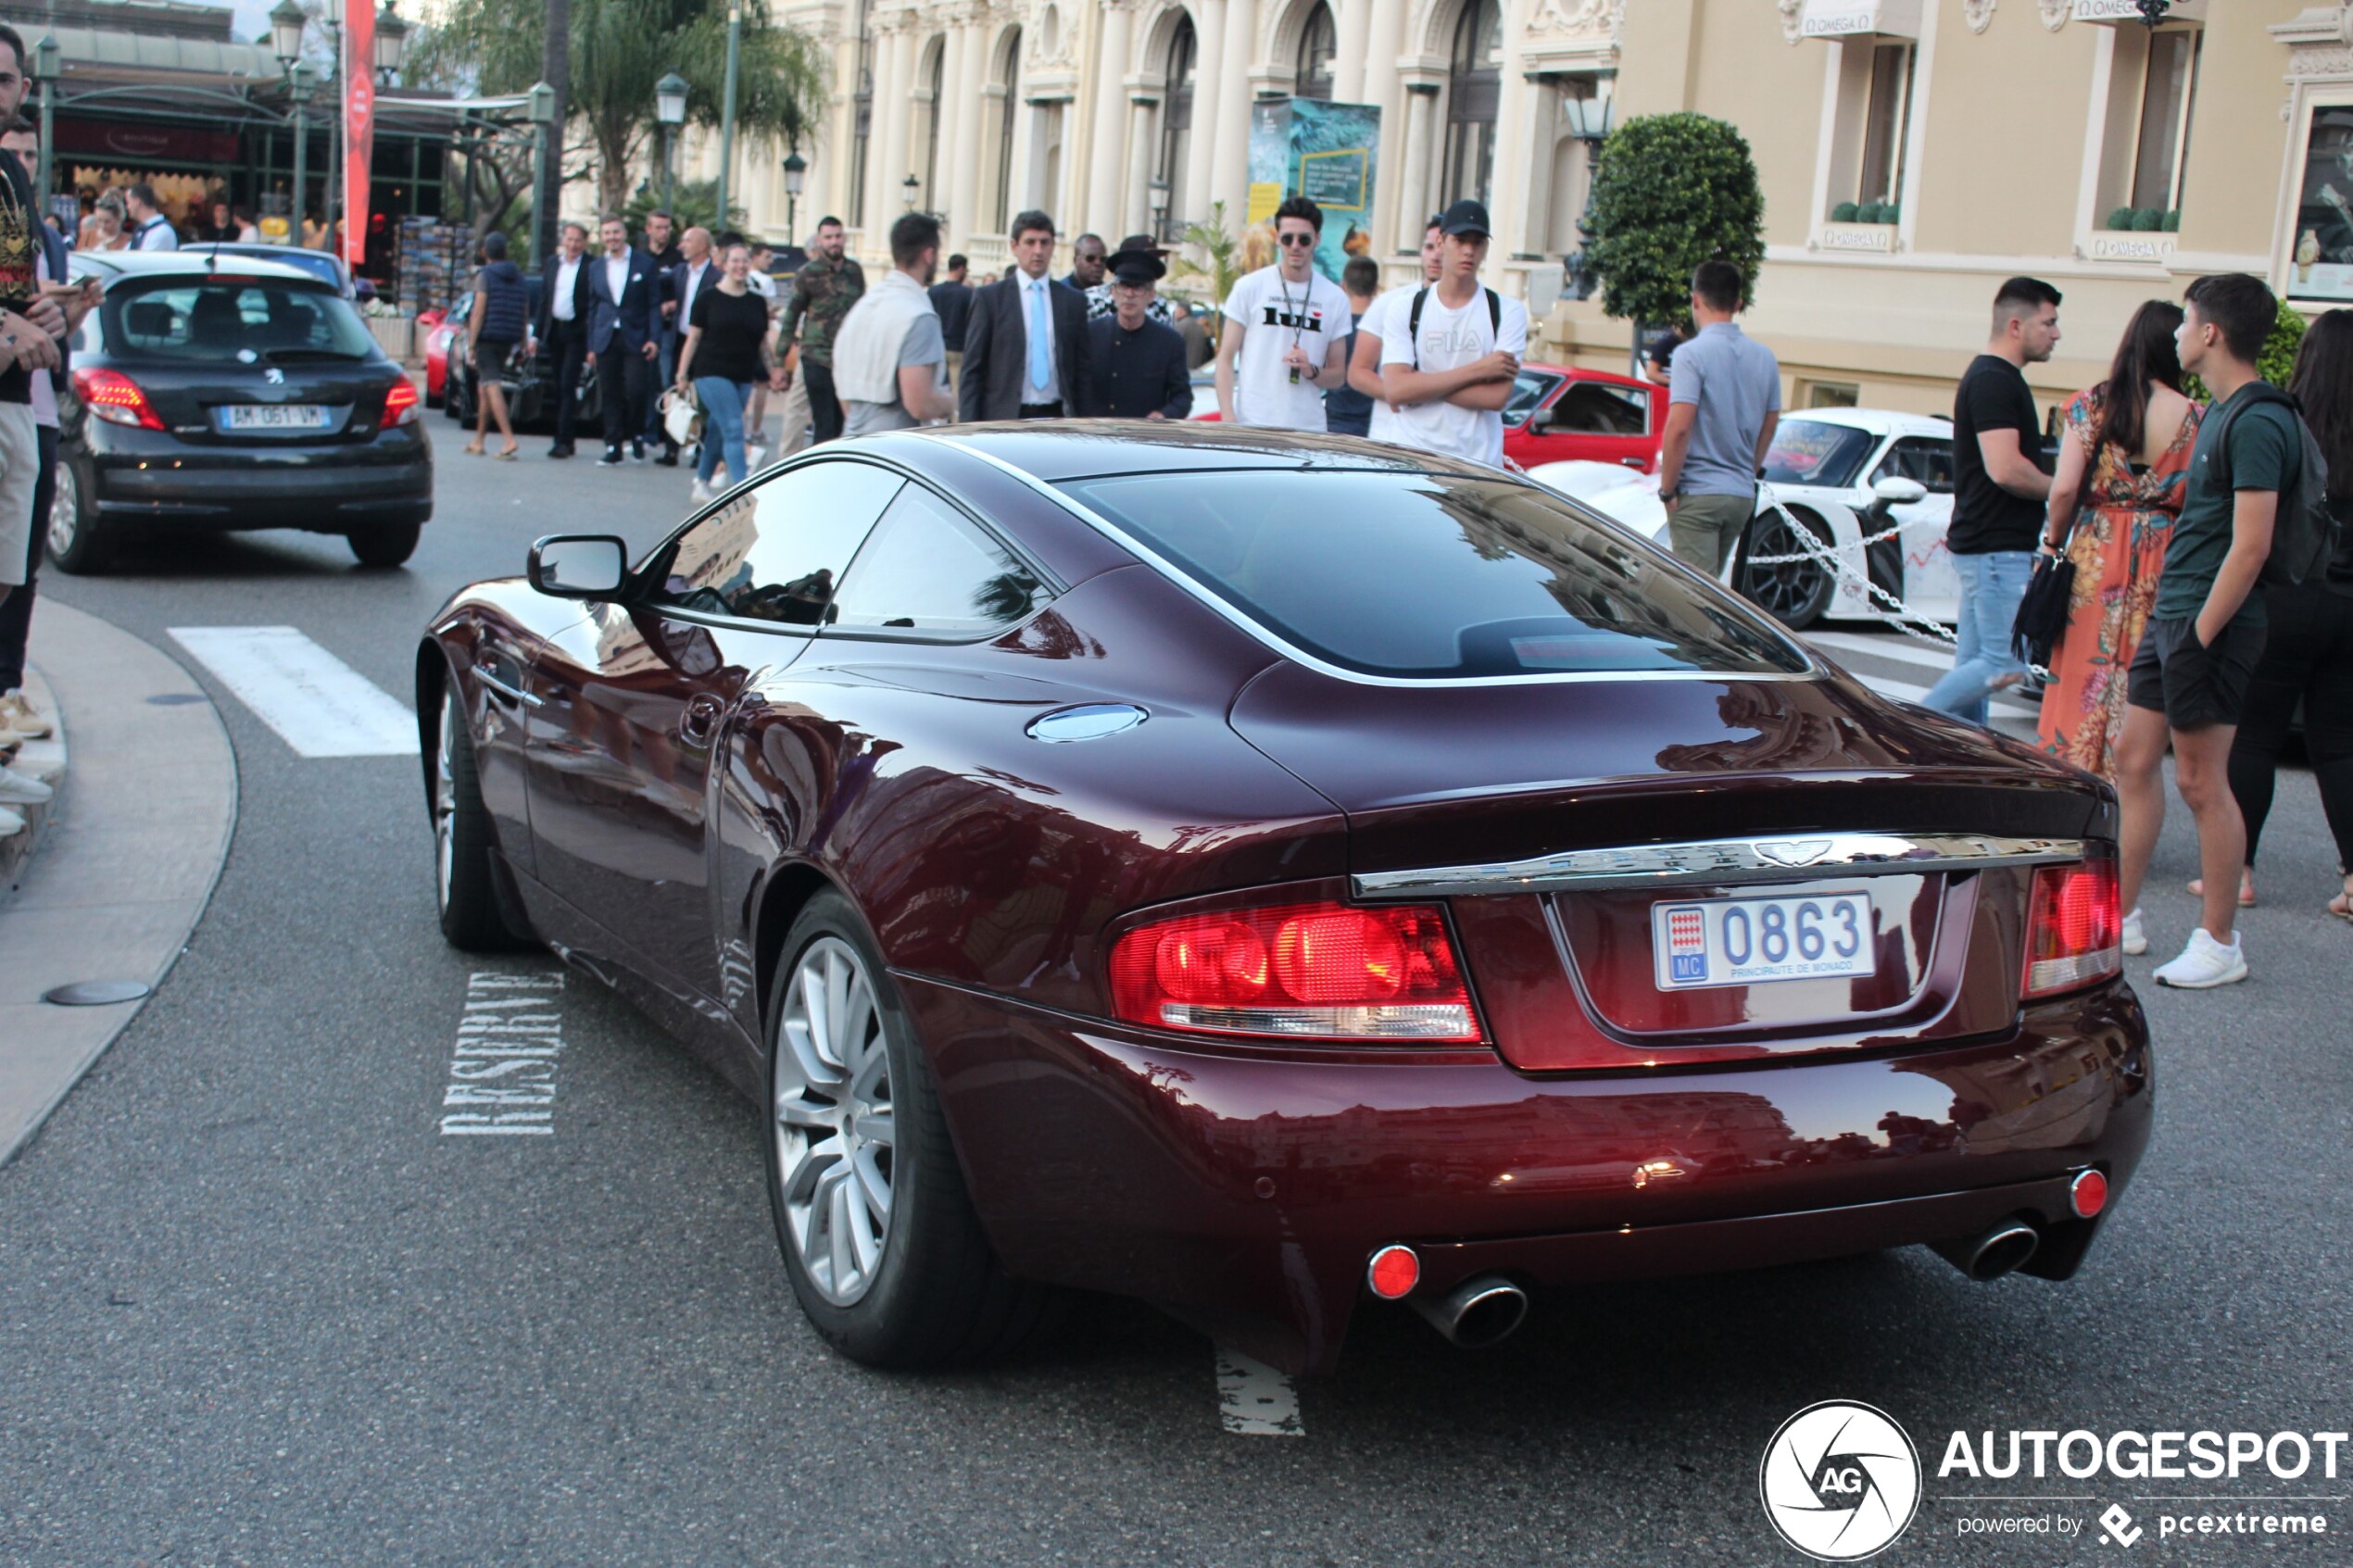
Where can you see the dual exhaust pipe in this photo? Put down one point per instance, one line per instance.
(1476, 1313)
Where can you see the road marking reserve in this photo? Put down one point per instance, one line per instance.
(502, 1072)
(317, 704)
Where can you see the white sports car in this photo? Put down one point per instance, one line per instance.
(1843, 475)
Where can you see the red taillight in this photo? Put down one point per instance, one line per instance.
(2087, 1195)
(114, 397)
(1299, 970)
(1393, 1272)
(2074, 930)
(400, 402)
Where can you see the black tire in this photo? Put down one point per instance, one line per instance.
(387, 546)
(1796, 593)
(465, 879)
(937, 1296)
(78, 542)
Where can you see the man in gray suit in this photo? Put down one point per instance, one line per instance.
(1025, 346)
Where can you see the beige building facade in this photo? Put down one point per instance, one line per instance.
(1913, 153)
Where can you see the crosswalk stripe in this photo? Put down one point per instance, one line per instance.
(1910, 656)
(317, 704)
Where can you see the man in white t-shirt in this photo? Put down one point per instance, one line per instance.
(1449, 373)
(1286, 333)
(1386, 318)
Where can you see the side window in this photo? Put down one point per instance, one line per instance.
(929, 571)
(1922, 458)
(1597, 407)
(778, 551)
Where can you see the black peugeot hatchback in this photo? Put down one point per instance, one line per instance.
(217, 393)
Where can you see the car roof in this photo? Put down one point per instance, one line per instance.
(1585, 372)
(1879, 422)
(1065, 449)
(116, 266)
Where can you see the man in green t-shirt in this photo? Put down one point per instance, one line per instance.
(2190, 673)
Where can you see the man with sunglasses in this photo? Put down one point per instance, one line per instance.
(1286, 330)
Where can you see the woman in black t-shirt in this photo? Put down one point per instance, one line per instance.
(726, 350)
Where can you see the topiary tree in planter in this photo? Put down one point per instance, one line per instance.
(1846, 212)
(1672, 190)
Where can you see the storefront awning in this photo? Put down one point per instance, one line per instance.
(91, 54)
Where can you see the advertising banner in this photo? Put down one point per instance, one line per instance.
(1325, 151)
(358, 124)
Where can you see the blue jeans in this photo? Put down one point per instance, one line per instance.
(1992, 586)
(723, 414)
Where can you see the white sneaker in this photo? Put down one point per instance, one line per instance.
(11, 824)
(16, 789)
(2204, 963)
(704, 493)
(2136, 941)
(17, 713)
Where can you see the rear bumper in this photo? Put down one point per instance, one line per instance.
(326, 489)
(1246, 1193)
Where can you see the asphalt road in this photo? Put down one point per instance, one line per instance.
(256, 1308)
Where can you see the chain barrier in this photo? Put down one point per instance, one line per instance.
(1889, 607)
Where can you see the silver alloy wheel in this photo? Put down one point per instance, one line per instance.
(65, 510)
(444, 797)
(833, 1128)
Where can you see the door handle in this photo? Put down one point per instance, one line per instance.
(1634, 462)
(700, 719)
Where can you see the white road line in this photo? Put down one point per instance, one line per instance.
(1894, 649)
(2001, 708)
(1254, 1400)
(317, 704)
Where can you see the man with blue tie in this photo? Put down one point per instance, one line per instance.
(1026, 346)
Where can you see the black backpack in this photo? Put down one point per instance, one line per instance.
(1414, 319)
(2305, 534)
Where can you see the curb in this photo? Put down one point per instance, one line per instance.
(129, 860)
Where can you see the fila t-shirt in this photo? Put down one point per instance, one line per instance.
(1449, 340)
(1275, 314)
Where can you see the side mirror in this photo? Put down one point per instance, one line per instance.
(1899, 492)
(1542, 419)
(579, 566)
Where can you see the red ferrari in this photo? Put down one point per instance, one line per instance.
(1558, 412)
(1280, 877)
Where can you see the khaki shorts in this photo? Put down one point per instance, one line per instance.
(1702, 529)
(19, 466)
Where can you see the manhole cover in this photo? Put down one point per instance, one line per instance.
(174, 699)
(95, 993)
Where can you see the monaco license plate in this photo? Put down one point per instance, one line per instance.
(273, 416)
(1754, 941)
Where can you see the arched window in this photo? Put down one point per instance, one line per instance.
(1177, 119)
(1474, 84)
(1008, 112)
(936, 112)
(1311, 78)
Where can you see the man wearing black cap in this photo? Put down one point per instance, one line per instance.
(1137, 364)
(1449, 373)
(1099, 301)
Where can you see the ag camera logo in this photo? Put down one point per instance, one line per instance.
(1840, 1481)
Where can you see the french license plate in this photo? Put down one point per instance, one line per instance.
(273, 416)
(1754, 941)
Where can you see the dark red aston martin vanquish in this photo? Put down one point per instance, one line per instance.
(1265, 874)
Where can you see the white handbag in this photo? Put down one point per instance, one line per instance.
(681, 417)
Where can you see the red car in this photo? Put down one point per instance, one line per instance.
(439, 333)
(1276, 878)
(1558, 412)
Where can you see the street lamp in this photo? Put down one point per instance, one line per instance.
(1588, 120)
(727, 106)
(300, 79)
(392, 42)
(286, 22)
(47, 69)
(1158, 200)
(795, 167)
(670, 107)
(546, 150)
(910, 186)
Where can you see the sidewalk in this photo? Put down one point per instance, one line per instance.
(125, 859)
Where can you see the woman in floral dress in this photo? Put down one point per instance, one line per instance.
(2123, 466)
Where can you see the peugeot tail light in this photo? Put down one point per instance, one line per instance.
(115, 397)
(1312, 971)
(2074, 930)
(400, 402)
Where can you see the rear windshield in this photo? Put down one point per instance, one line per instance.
(1817, 452)
(234, 319)
(1434, 576)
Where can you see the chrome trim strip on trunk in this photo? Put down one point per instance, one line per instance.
(1721, 862)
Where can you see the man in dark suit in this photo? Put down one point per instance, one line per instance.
(1025, 347)
(625, 316)
(562, 325)
(1138, 364)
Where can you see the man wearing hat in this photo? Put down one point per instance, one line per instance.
(1137, 364)
(1099, 303)
(1449, 369)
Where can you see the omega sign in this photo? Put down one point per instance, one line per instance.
(1848, 18)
